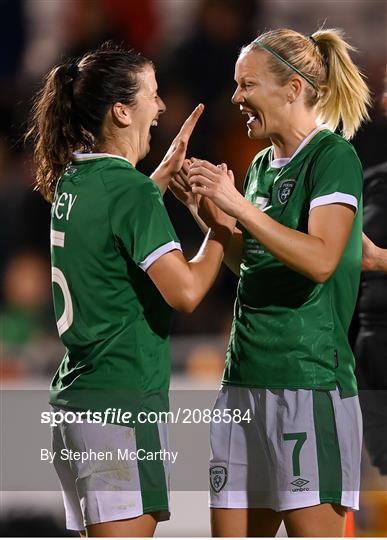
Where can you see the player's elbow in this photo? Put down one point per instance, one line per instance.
(320, 277)
(183, 300)
(187, 302)
(323, 272)
(186, 308)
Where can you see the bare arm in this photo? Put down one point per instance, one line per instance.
(203, 211)
(234, 250)
(315, 254)
(183, 284)
(374, 258)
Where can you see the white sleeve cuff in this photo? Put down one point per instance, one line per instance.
(332, 198)
(157, 253)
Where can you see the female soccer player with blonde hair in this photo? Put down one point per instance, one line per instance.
(297, 250)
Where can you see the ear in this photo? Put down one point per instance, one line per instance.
(294, 88)
(121, 114)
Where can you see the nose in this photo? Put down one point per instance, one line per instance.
(237, 97)
(162, 106)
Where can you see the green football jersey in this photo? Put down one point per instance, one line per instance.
(109, 224)
(288, 331)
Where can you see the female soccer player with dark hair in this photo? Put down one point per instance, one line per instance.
(297, 250)
(117, 272)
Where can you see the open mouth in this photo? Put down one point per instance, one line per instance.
(154, 123)
(253, 117)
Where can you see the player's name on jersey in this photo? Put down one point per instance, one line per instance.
(62, 206)
(118, 454)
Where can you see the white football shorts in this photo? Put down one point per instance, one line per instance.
(111, 472)
(300, 448)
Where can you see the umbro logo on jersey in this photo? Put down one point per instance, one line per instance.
(218, 477)
(300, 482)
(285, 190)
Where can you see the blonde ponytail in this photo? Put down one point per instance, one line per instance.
(335, 86)
(348, 96)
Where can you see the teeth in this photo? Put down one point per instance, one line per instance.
(154, 123)
(249, 114)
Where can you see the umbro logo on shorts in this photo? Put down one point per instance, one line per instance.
(300, 483)
(285, 190)
(218, 477)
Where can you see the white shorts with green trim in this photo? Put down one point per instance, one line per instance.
(301, 448)
(111, 472)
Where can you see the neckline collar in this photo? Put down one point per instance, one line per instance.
(80, 156)
(281, 162)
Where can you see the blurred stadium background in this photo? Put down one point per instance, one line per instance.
(194, 44)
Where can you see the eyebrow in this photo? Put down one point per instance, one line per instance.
(247, 78)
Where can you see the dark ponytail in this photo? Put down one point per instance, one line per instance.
(69, 110)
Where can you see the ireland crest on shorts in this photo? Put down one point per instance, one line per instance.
(218, 477)
(285, 190)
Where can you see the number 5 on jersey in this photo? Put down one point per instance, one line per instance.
(66, 319)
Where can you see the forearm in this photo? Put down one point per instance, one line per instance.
(381, 260)
(160, 178)
(300, 251)
(205, 266)
(202, 225)
(233, 252)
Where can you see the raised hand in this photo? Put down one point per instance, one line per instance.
(174, 158)
(217, 184)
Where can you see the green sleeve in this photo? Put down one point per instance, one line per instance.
(337, 176)
(254, 165)
(139, 219)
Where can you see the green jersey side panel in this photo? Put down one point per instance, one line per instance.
(288, 331)
(109, 224)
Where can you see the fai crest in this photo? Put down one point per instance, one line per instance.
(218, 477)
(285, 190)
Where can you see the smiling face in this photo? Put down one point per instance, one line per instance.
(259, 96)
(145, 112)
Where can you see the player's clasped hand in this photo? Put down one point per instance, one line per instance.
(216, 183)
(211, 214)
(180, 187)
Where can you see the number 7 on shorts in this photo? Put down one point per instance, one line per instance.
(300, 438)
